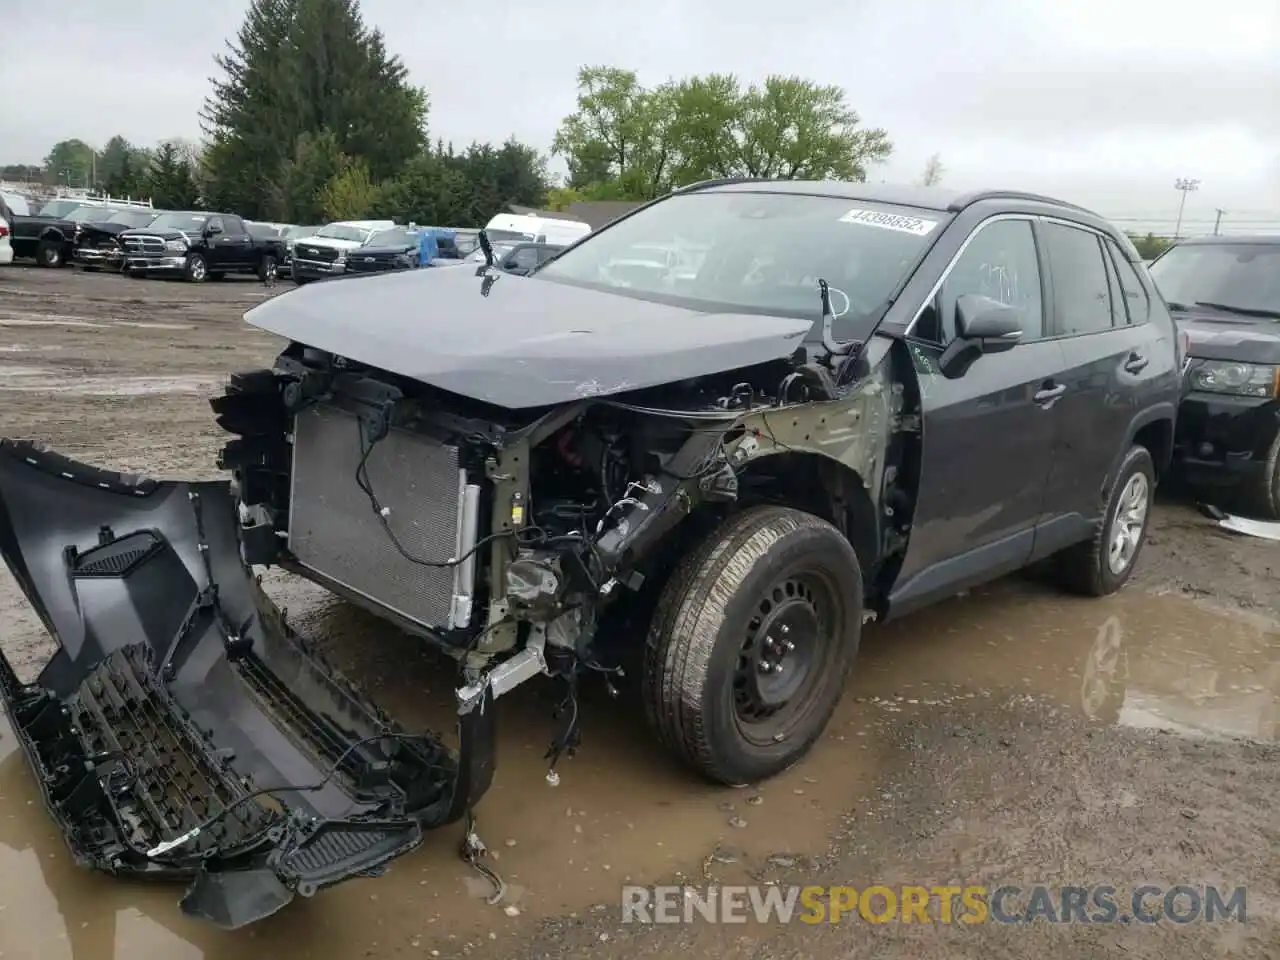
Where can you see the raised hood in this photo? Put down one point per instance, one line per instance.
(1218, 336)
(333, 242)
(520, 342)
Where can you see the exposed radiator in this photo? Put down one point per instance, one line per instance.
(434, 514)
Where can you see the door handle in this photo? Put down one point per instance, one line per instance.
(1050, 393)
(1136, 363)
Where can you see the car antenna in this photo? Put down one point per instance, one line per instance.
(834, 347)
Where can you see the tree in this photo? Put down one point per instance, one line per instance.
(122, 167)
(350, 195)
(1150, 246)
(171, 182)
(618, 133)
(316, 161)
(788, 128)
(70, 162)
(933, 171)
(628, 142)
(302, 67)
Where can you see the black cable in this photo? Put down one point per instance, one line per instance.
(366, 486)
(320, 784)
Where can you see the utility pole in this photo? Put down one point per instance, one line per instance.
(1218, 221)
(1185, 185)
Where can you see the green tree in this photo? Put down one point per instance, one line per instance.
(171, 182)
(302, 67)
(70, 162)
(316, 161)
(787, 127)
(122, 168)
(350, 195)
(1150, 246)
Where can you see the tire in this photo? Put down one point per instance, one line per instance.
(49, 254)
(197, 268)
(267, 268)
(1261, 495)
(293, 275)
(707, 650)
(1087, 567)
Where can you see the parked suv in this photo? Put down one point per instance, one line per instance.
(861, 400)
(1224, 293)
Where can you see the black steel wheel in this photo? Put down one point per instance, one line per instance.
(751, 643)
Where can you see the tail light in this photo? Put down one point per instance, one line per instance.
(4, 230)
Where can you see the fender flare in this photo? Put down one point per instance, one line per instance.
(1164, 410)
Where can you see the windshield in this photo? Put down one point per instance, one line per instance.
(91, 214)
(133, 218)
(182, 222)
(296, 233)
(59, 208)
(393, 238)
(1229, 276)
(338, 231)
(732, 252)
(511, 235)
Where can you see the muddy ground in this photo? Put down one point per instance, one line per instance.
(1013, 736)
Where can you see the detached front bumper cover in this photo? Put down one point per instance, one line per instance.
(182, 730)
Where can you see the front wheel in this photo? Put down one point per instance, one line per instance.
(267, 268)
(1261, 495)
(1102, 565)
(751, 642)
(196, 269)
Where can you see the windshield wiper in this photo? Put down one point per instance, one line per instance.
(1241, 311)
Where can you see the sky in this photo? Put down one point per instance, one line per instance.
(1100, 102)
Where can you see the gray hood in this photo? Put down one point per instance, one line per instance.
(520, 342)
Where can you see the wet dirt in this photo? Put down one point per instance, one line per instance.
(1010, 736)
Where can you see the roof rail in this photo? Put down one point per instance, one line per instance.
(967, 199)
(721, 182)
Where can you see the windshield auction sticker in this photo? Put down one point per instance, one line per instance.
(890, 221)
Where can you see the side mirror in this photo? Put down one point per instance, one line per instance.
(983, 326)
(212, 229)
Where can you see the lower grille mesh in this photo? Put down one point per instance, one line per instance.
(334, 530)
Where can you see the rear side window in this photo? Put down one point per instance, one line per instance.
(1136, 300)
(1081, 291)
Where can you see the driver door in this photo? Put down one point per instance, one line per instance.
(989, 434)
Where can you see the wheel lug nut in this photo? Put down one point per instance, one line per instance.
(788, 645)
(783, 628)
(766, 666)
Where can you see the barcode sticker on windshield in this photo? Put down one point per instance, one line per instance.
(890, 221)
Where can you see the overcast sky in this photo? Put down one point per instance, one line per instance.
(1104, 102)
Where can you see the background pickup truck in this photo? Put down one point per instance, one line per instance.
(198, 246)
(47, 240)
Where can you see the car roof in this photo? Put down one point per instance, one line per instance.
(1256, 238)
(907, 195)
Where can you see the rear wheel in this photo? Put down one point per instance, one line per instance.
(1103, 564)
(49, 253)
(751, 642)
(267, 268)
(196, 269)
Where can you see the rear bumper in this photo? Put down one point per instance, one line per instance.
(1222, 439)
(6, 253)
(183, 730)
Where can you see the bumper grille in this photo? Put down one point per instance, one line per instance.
(143, 245)
(321, 254)
(334, 531)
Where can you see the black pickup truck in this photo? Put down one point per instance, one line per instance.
(98, 233)
(198, 245)
(49, 241)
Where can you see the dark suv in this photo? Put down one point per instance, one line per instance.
(1224, 293)
(831, 403)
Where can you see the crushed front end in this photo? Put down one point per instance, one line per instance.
(182, 730)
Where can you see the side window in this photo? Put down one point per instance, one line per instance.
(1135, 294)
(999, 262)
(527, 258)
(1118, 316)
(235, 226)
(1081, 292)
(214, 224)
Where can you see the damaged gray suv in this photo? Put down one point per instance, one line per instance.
(701, 446)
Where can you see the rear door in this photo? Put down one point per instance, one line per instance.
(1099, 315)
(988, 435)
(238, 246)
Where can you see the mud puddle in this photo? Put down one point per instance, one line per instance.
(622, 812)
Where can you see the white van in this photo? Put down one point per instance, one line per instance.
(519, 228)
